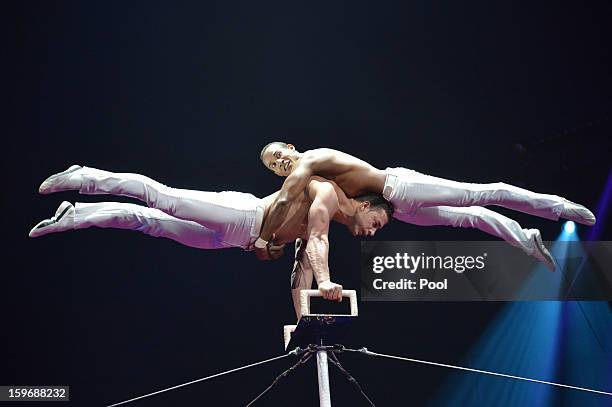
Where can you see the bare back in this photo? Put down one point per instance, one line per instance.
(355, 177)
(295, 223)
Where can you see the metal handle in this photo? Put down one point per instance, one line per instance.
(306, 294)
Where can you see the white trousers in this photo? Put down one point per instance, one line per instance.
(424, 200)
(150, 221)
(206, 220)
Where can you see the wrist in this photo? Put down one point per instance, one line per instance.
(260, 243)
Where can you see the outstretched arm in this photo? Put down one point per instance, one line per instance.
(324, 206)
(294, 185)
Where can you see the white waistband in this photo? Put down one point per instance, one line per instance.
(390, 181)
(256, 228)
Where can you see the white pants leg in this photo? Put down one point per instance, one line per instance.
(234, 215)
(477, 217)
(409, 190)
(150, 221)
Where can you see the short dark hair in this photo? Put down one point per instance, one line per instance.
(377, 202)
(263, 150)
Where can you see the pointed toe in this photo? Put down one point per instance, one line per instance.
(62, 181)
(577, 213)
(61, 221)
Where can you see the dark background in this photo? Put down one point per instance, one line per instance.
(188, 93)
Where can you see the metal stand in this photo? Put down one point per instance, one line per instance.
(312, 336)
(324, 391)
(322, 329)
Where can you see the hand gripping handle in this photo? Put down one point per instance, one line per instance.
(306, 294)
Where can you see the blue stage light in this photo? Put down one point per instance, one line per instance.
(569, 227)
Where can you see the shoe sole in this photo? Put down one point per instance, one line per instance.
(59, 214)
(62, 209)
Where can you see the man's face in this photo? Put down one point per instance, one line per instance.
(367, 221)
(280, 160)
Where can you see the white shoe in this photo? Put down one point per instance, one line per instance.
(577, 213)
(62, 181)
(540, 251)
(63, 220)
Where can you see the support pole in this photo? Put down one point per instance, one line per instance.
(332, 321)
(323, 372)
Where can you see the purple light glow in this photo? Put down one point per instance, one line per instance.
(602, 210)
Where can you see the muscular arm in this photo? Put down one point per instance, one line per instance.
(294, 185)
(301, 276)
(322, 209)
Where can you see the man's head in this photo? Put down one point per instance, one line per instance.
(371, 214)
(279, 157)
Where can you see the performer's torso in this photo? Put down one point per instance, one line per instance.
(355, 177)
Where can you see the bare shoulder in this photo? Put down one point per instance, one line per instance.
(320, 185)
(317, 181)
(319, 155)
(327, 159)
